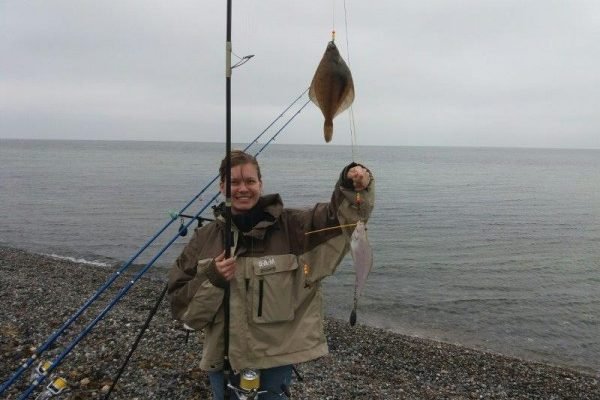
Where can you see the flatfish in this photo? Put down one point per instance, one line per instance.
(362, 254)
(332, 88)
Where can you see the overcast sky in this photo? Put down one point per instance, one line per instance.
(426, 72)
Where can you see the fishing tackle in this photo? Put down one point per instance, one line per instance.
(55, 388)
(242, 61)
(249, 380)
(40, 370)
(249, 385)
(306, 271)
(182, 228)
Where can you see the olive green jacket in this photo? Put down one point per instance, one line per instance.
(276, 311)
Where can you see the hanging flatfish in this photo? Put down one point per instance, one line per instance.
(362, 254)
(332, 88)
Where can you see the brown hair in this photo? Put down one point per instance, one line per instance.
(238, 157)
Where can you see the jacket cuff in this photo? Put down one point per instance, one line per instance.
(214, 276)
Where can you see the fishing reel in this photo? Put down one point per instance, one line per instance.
(54, 388)
(249, 385)
(40, 371)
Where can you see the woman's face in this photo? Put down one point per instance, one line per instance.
(246, 188)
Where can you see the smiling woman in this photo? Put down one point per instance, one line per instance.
(246, 183)
(273, 276)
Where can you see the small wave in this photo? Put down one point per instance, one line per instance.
(79, 260)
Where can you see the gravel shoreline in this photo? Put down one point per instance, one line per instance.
(39, 293)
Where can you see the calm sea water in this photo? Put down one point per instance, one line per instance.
(496, 249)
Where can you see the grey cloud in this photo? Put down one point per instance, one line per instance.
(510, 73)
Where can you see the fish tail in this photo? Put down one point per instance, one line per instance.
(353, 313)
(328, 130)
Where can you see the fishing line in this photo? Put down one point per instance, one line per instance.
(332, 20)
(346, 27)
(353, 137)
(52, 338)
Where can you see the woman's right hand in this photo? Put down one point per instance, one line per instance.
(225, 266)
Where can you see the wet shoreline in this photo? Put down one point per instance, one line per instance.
(38, 293)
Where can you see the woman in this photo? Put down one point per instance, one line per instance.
(276, 317)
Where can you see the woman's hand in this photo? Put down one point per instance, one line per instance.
(225, 266)
(361, 177)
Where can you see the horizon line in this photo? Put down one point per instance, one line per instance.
(305, 144)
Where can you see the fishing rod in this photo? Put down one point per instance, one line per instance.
(128, 286)
(52, 338)
(228, 239)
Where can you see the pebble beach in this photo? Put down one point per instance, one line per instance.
(39, 293)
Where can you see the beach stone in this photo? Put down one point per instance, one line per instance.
(364, 363)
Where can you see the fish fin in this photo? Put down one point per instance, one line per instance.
(348, 97)
(353, 318)
(328, 130)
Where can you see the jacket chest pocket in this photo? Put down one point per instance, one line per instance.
(273, 289)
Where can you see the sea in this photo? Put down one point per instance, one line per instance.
(496, 249)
